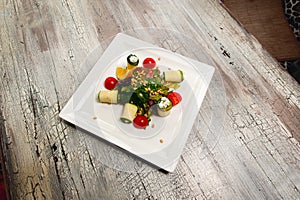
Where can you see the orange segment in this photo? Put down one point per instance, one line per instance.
(121, 73)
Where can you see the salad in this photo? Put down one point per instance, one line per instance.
(143, 90)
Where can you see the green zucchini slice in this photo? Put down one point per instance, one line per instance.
(132, 61)
(110, 96)
(175, 76)
(129, 113)
(163, 113)
(164, 107)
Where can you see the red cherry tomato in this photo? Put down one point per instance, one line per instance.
(174, 97)
(110, 83)
(149, 63)
(140, 121)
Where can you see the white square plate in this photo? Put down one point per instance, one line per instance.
(102, 120)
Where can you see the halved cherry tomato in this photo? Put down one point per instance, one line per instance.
(149, 63)
(174, 97)
(140, 121)
(110, 83)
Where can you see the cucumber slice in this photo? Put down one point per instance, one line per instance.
(175, 76)
(110, 96)
(163, 113)
(132, 61)
(164, 107)
(129, 113)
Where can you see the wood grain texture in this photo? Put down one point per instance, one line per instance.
(267, 22)
(43, 45)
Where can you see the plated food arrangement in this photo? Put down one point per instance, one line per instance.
(123, 90)
(143, 90)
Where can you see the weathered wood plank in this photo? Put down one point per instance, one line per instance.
(43, 49)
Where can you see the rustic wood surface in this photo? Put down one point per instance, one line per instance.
(43, 44)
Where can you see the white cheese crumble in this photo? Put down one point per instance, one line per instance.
(133, 59)
(164, 103)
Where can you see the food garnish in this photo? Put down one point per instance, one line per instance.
(121, 73)
(140, 121)
(149, 63)
(174, 97)
(132, 61)
(110, 83)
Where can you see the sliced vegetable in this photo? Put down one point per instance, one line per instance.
(108, 96)
(165, 104)
(164, 107)
(110, 83)
(172, 85)
(149, 63)
(132, 61)
(129, 113)
(163, 113)
(174, 97)
(140, 121)
(121, 73)
(173, 76)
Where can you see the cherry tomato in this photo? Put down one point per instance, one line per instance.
(140, 121)
(149, 63)
(110, 83)
(174, 97)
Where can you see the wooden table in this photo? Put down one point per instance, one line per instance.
(47, 49)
